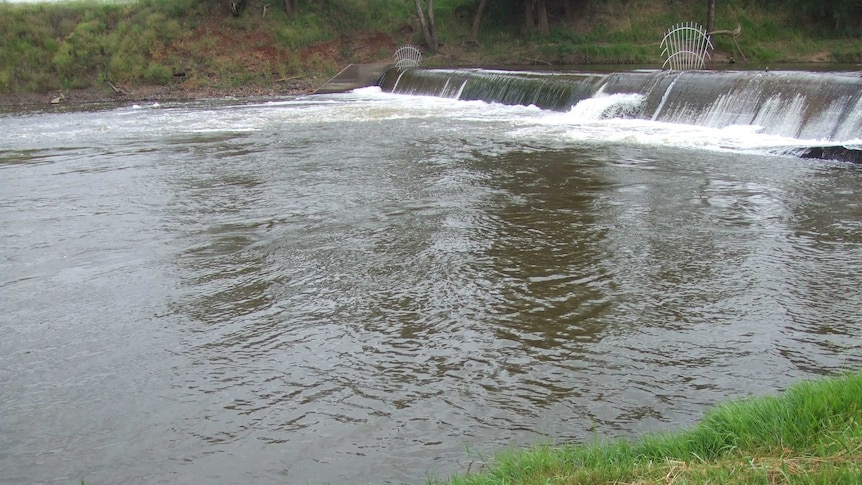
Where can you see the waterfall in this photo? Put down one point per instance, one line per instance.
(663, 100)
(825, 107)
(545, 90)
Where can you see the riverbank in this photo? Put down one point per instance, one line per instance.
(183, 49)
(810, 434)
(139, 94)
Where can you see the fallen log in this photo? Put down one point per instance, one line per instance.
(734, 34)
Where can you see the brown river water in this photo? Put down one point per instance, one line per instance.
(374, 288)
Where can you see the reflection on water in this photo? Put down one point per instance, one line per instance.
(304, 299)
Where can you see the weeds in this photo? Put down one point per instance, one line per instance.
(82, 44)
(810, 434)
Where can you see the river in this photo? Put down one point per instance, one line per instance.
(379, 288)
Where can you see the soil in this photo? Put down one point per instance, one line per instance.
(365, 48)
(253, 51)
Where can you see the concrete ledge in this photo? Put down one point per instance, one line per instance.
(355, 76)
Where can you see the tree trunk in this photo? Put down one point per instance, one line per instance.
(528, 14)
(291, 7)
(422, 23)
(710, 17)
(568, 13)
(474, 34)
(432, 29)
(428, 30)
(542, 12)
(236, 7)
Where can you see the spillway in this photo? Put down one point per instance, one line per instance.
(822, 107)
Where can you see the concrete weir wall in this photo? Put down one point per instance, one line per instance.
(355, 76)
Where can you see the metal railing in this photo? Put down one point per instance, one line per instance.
(686, 47)
(407, 56)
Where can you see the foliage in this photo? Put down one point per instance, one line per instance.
(847, 53)
(306, 29)
(47, 47)
(142, 48)
(824, 18)
(811, 434)
(74, 45)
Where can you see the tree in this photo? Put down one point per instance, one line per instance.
(710, 16)
(542, 17)
(428, 28)
(828, 17)
(291, 7)
(236, 7)
(474, 33)
(536, 13)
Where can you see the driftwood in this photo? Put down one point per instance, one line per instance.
(117, 90)
(734, 34)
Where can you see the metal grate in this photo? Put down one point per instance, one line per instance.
(686, 47)
(407, 56)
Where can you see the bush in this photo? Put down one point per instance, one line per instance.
(157, 74)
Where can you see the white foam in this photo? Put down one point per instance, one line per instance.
(608, 119)
(370, 90)
(605, 106)
(601, 119)
(653, 133)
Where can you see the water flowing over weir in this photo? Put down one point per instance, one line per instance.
(824, 108)
(365, 287)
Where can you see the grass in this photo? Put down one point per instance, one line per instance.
(46, 47)
(72, 45)
(812, 434)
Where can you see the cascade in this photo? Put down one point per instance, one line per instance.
(663, 100)
(546, 90)
(824, 107)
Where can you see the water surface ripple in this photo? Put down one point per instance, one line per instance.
(361, 288)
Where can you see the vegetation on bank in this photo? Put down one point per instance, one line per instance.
(199, 44)
(812, 434)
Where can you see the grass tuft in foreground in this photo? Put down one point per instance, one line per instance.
(812, 434)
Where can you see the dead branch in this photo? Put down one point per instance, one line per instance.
(117, 90)
(734, 34)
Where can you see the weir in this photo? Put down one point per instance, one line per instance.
(823, 107)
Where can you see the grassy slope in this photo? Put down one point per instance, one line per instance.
(810, 435)
(187, 44)
(196, 45)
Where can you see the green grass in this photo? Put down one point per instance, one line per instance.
(812, 434)
(45, 47)
(629, 32)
